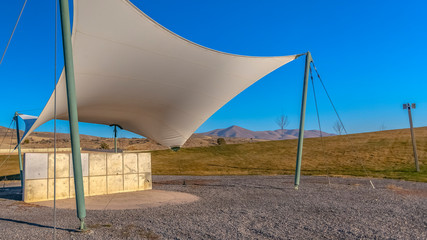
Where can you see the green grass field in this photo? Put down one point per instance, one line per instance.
(386, 154)
(9, 165)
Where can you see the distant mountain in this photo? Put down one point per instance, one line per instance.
(239, 132)
(8, 132)
(233, 135)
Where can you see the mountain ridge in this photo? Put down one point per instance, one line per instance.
(233, 135)
(279, 134)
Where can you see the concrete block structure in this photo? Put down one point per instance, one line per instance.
(103, 173)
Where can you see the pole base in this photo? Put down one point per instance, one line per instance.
(296, 187)
(82, 227)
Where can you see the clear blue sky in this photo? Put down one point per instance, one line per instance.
(371, 55)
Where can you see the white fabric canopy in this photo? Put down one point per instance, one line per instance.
(29, 122)
(131, 71)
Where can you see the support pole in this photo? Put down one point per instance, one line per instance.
(72, 112)
(308, 60)
(115, 135)
(115, 138)
(414, 144)
(19, 150)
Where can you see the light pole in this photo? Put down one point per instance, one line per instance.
(414, 145)
(115, 135)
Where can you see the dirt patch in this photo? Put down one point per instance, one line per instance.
(408, 192)
(99, 225)
(132, 230)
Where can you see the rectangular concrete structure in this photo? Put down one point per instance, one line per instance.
(103, 173)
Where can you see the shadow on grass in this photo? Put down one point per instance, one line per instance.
(36, 224)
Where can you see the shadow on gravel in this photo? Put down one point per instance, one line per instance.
(262, 169)
(210, 183)
(11, 193)
(11, 177)
(199, 182)
(36, 225)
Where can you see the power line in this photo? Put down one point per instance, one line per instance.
(8, 129)
(11, 35)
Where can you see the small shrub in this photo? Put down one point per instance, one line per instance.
(221, 141)
(103, 145)
(26, 141)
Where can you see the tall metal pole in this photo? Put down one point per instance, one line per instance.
(414, 144)
(308, 60)
(19, 150)
(115, 138)
(72, 111)
(115, 135)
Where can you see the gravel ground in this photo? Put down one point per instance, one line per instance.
(242, 207)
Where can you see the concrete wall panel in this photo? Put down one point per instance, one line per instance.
(62, 188)
(144, 181)
(144, 162)
(62, 165)
(130, 164)
(130, 182)
(35, 165)
(114, 184)
(103, 173)
(97, 164)
(98, 185)
(35, 189)
(141, 181)
(148, 182)
(114, 163)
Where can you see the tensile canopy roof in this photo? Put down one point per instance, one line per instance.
(131, 71)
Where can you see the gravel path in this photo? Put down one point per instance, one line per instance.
(243, 207)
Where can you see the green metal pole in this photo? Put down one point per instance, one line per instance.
(115, 138)
(115, 135)
(308, 60)
(19, 150)
(72, 111)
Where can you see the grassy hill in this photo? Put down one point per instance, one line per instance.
(385, 154)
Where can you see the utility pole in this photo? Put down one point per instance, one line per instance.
(72, 112)
(19, 150)
(414, 145)
(308, 61)
(115, 135)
